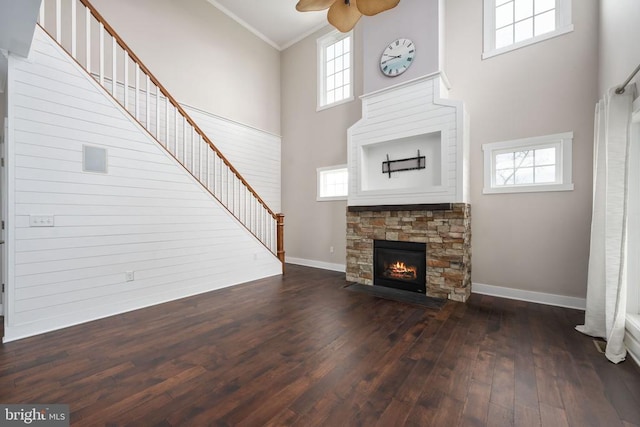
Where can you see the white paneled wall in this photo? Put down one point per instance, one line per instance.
(145, 215)
(407, 111)
(254, 153)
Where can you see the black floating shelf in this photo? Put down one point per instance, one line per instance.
(412, 163)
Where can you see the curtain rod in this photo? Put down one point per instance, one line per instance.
(626, 82)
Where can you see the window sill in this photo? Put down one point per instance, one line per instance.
(528, 189)
(331, 199)
(528, 42)
(335, 104)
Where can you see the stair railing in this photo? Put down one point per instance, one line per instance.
(81, 31)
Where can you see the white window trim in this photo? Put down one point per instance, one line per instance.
(564, 142)
(563, 26)
(322, 42)
(318, 183)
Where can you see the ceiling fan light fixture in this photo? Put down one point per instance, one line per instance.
(313, 5)
(373, 7)
(344, 14)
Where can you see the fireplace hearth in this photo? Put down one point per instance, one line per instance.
(400, 265)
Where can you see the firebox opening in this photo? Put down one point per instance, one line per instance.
(400, 265)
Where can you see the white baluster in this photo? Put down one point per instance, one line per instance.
(126, 80)
(226, 181)
(166, 123)
(250, 221)
(243, 202)
(233, 193)
(184, 139)
(87, 31)
(158, 113)
(243, 208)
(101, 59)
(175, 127)
(114, 67)
(214, 173)
(206, 170)
(148, 111)
(194, 157)
(136, 98)
(196, 149)
(74, 32)
(197, 143)
(58, 21)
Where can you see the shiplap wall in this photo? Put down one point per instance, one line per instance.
(146, 215)
(254, 153)
(408, 110)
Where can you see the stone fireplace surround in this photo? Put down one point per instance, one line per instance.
(444, 227)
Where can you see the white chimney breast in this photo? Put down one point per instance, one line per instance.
(399, 121)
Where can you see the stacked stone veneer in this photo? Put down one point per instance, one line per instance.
(447, 233)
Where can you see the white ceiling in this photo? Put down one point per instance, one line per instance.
(275, 21)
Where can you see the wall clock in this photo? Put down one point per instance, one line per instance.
(397, 57)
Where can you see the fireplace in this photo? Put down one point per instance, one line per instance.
(444, 229)
(400, 265)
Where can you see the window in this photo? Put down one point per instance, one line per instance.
(511, 24)
(531, 164)
(335, 65)
(333, 183)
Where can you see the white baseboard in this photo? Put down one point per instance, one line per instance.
(317, 264)
(529, 296)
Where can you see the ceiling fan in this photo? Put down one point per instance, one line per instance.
(344, 14)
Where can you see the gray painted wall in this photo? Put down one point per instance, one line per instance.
(204, 58)
(535, 241)
(311, 140)
(416, 20)
(619, 35)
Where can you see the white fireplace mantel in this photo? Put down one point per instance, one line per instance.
(398, 121)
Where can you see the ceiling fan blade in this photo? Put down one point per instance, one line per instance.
(313, 5)
(373, 7)
(343, 16)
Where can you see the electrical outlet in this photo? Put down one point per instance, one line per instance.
(40, 220)
(330, 249)
(129, 276)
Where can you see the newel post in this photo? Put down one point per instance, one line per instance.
(280, 228)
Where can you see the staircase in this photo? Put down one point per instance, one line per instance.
(84, 34)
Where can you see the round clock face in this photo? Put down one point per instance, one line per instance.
(397, 57)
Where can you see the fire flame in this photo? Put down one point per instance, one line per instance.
(401, 271)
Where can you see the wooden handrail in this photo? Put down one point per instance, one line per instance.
(175, 103)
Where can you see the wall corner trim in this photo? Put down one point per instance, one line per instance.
(529, 296)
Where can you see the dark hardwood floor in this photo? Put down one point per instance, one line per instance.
(300, 350)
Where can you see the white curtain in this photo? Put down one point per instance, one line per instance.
(607, 276)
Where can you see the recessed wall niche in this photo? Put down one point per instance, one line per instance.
(428, 145)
